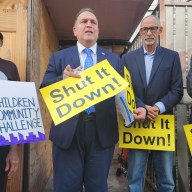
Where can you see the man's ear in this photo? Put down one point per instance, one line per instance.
(74, 31)
(160, 30)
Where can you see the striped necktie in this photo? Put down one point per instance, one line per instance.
(88, 63)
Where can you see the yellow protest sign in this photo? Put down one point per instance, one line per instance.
(188, 134)
(159, 135)
(126, 100)
(69, 97)
(129, 91)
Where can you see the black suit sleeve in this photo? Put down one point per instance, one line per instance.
(53, 74)
(189, 80)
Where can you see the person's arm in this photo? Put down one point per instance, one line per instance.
(189, 80)
(12, 160)
(141, 110)
(153, 112)
(139, 113)
(53, 74)
(16, 76)
(175, 94)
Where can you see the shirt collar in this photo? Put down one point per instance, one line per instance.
(147, 53)
(80, 48)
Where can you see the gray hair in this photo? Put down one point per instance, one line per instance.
(154, 16)
(84, 10)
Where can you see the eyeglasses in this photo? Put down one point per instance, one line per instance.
(153, 29)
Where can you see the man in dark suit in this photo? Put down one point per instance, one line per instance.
(157, 80)
(189, 91)
(83, 145)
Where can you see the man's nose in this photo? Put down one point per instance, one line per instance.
(149, 32)
(88, 23)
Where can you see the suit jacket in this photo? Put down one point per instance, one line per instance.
(189, 79)
(165, 82)
(106, 117)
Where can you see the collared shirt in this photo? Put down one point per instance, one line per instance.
(83, 55)
(149, 58)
